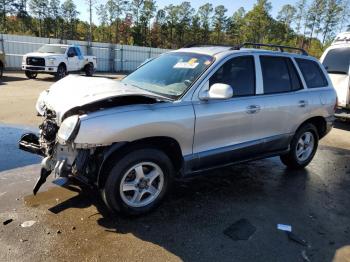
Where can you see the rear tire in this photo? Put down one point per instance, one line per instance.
(89, 70)
(302, 148)
(138, 182)
(30, 74)
(61, 72)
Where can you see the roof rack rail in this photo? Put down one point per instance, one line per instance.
(279, 47)
(205, 45)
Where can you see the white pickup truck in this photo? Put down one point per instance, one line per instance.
(336, 60)
(58, 60)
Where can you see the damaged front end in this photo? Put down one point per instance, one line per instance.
(54, 144)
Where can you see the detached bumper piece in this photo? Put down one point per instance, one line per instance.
(44, 173)
(30, 143)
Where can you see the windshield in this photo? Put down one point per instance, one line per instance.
(170, 74)
(54, 49)
(337, 61)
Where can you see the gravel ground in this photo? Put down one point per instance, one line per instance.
(72, 224)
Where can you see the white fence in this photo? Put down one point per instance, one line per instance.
(110, 57)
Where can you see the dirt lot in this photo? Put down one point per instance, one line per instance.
(19, 94)
(71, 223)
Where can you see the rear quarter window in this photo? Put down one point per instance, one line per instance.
(312, 73)
(337, 61)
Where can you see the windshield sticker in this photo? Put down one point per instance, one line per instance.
(208, 62)
(186, 65)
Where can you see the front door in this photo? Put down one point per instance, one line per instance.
(73, 59)
(224, 129)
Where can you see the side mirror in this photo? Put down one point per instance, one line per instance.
(217, 91)
(70, 55)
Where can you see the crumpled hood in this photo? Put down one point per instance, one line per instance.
(75, 91)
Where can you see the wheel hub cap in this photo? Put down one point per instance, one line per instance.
(141, 184)
(305, 146)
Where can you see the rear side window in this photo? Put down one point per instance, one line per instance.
(279, 75)
(239, 73)
(337, 61)
(312, 73)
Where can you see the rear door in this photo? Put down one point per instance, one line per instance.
(337, 62)
(284, 102)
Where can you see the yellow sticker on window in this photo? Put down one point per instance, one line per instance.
(192, 61)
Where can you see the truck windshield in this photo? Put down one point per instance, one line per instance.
(337, 61)
(170, 74)
(54, 49)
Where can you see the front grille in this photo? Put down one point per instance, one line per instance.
(36, 61)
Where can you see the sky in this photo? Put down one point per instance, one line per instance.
(231, 5)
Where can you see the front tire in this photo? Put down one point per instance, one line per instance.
(30, 74)
(61, 72)
(302, 148)
(138, 182)
(89, 70)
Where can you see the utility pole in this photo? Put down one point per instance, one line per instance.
(91, 3)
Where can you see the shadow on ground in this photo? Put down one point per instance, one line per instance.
(191, 221)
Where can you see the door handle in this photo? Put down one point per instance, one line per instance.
(303, 103)
(252, 109)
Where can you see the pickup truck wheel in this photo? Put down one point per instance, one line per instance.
(89, 70)
(61, 72)
(138, 182)
(302, 148)
(30, 74)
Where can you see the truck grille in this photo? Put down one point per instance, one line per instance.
(35, 61)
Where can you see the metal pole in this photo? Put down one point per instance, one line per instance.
(121, 59)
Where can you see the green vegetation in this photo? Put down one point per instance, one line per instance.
(311, 25)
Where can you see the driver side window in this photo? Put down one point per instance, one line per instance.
(239, 73)
(71, 52)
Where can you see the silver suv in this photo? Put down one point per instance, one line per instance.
(189, 110)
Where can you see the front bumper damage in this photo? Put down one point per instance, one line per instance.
(59, 163)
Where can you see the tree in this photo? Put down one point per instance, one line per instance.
(185, 12)
(55, 15)
(314, 17)
(172, 20)
(146, 14)
(235, 24)
(344, 16)
(287, 14)
(219, 21)
(6, 8)
(257, 22)
(205, 13)
(331, 18)
(69, 14)
(40, 10)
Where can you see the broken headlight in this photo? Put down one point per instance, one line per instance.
(68, 129)
(40, 103)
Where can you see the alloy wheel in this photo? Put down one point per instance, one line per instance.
(305, 146)
(141, 184)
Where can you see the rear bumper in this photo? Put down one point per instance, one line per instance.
(40, 69)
